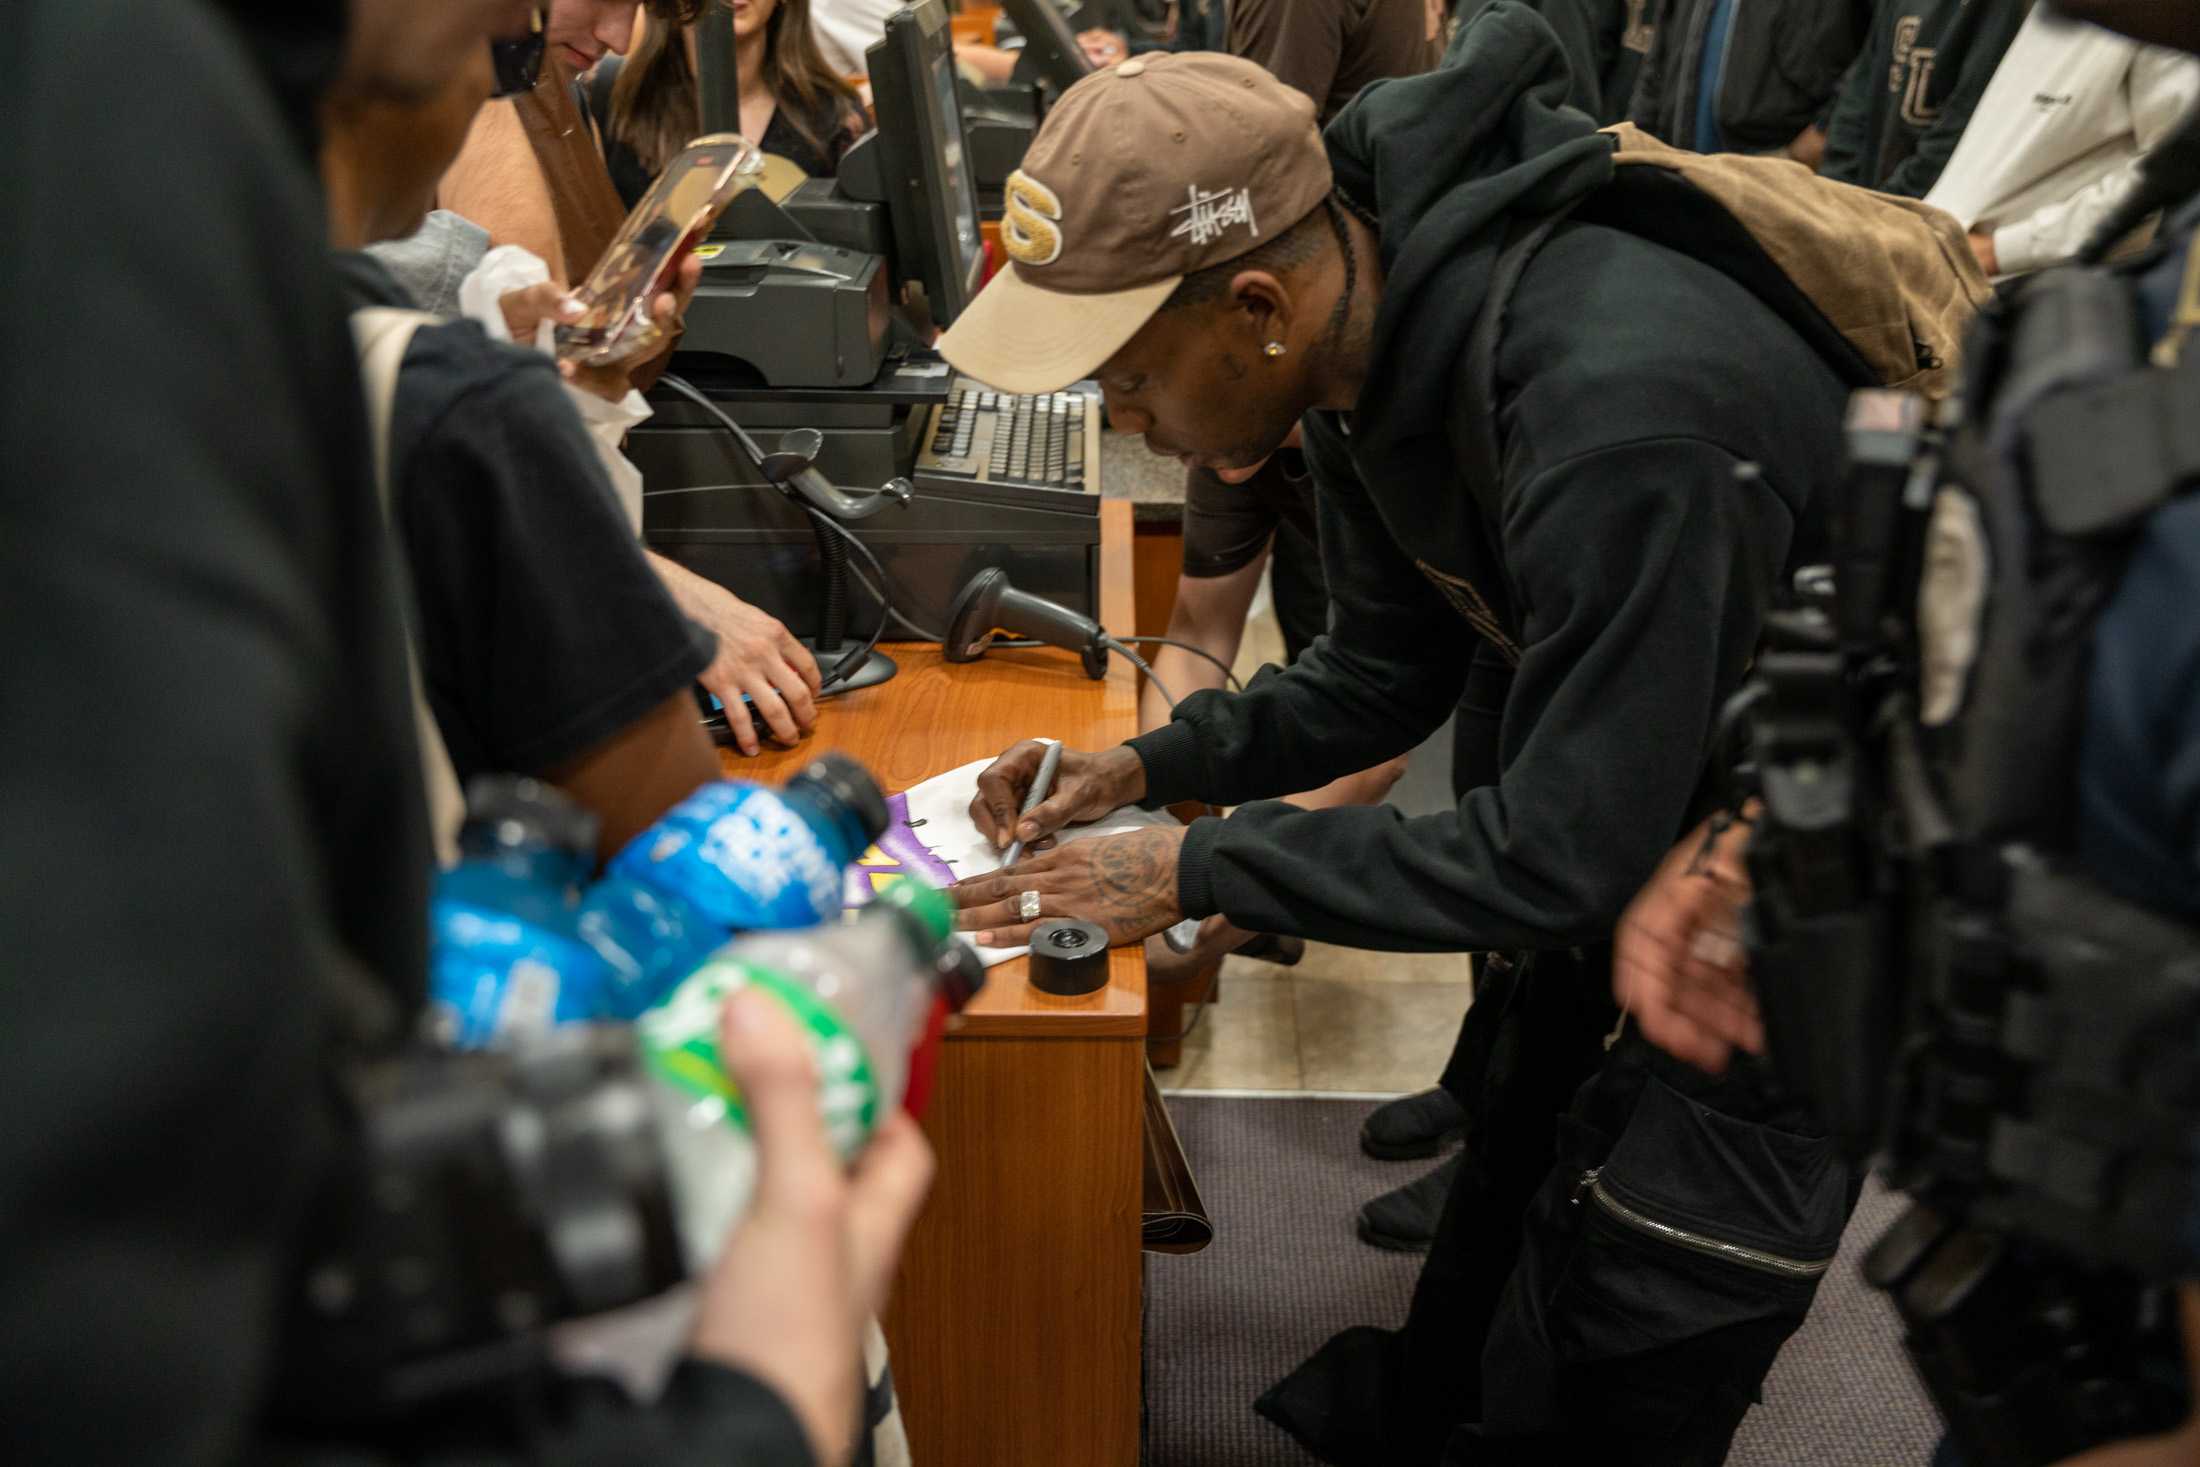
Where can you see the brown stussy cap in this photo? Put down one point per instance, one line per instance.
(1142, 174)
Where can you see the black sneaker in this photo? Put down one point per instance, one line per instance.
(1413, 1127)
(1405, 1221)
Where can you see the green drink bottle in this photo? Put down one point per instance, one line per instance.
(863, 992)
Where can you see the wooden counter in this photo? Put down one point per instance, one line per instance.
(1015, 1326)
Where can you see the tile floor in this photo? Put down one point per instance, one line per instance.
(1342, 1020)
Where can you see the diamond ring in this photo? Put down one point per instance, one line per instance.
(1028, 906)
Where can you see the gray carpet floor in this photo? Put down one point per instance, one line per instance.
(1283, 1179)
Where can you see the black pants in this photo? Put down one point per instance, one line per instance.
(1541, 1330)
(1376, 1398)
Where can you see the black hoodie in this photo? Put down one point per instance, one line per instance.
(1632, 382)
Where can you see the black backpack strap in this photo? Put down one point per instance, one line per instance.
(1473, 426)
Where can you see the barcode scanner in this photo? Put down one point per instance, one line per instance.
(990, 604)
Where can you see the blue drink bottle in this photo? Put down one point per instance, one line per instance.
(732, 857)
(506, 959)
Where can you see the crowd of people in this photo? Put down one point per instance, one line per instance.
(1514, 359)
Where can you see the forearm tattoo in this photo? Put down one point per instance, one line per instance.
(1133, 876)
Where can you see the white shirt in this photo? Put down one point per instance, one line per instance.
(845, 29)
(2056, 140)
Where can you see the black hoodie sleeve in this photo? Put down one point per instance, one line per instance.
(1633, 557)
(1381, 681)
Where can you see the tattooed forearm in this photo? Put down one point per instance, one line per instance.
(1126, 883)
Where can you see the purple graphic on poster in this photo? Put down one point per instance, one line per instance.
(897, 856)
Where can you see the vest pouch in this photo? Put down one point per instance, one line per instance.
(2064, 466)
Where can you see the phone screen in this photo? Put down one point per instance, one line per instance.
(644, 258)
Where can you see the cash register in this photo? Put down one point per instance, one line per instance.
(812, 315)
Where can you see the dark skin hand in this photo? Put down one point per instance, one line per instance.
(1809, 148)
(1086, 787)
(1125, 883)
(631, 779)
(1678, 965)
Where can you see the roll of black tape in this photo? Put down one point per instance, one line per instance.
(1069, 958)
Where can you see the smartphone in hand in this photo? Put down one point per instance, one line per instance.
(615, 324)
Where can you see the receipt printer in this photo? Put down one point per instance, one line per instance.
(799, 313)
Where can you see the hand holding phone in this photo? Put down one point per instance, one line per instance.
(614, 324)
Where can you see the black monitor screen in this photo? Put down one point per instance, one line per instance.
(930, 197)
(961, 199)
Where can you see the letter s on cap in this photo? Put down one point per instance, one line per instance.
(1031, 221)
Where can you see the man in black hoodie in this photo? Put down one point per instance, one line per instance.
(1180, 228)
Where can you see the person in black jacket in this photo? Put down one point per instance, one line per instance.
(1905, 103)
(216, 832)
(1180, 230)
(1757, 78)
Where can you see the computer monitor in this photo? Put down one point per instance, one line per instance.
(1049, 42)
(929, 194)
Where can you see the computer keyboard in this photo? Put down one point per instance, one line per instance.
(1050, 441)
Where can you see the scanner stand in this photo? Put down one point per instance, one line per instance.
(784, 468)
